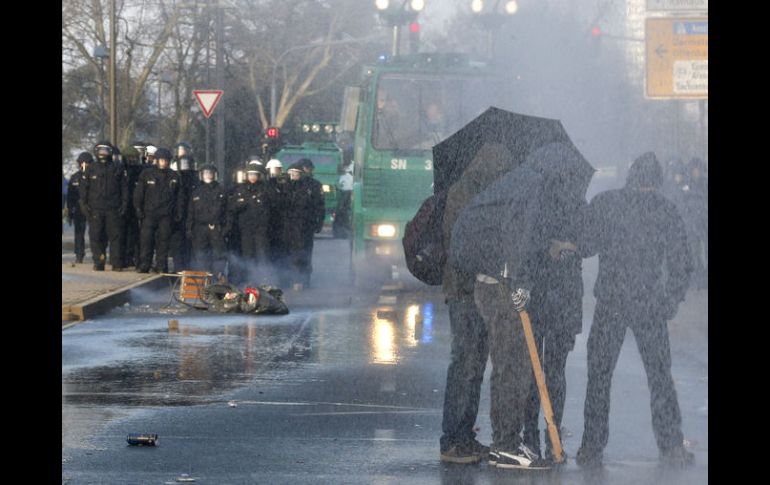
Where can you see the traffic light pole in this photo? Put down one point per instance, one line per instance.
(220, 148)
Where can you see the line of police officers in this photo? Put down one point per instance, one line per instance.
(156, 204)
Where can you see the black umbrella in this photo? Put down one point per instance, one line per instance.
(521, 135)
(498, 226)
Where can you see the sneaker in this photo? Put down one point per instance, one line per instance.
(460, 454)
(98, 267)
(588, 458)
(521, 458)
(493, 456)
(677, 457)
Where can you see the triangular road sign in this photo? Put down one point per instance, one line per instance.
(208, 99)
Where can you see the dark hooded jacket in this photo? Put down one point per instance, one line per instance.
(639, 236)
(503, 230)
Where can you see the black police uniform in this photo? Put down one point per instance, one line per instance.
(76, 215)
(104, 201)
(131, 245)
(278, 246)
(206, 218)
(181, 246)
(315, 214)
(251, 209)
(158, 202)
(296, 225)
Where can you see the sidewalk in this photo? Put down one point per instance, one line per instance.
(86, 292)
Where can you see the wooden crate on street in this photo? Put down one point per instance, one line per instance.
(192, 284)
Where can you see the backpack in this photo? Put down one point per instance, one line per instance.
(423, 243)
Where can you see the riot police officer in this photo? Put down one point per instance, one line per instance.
(251, 210)
(278, 184)
(181, 246)
(132, 158)
(157, 201)
(298, 203)
(73, 205)
(315, 214)
(206, 219)
(104, 201)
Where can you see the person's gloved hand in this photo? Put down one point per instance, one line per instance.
(520, 297)
(86, 211)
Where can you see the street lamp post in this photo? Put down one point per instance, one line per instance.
(100, 52)
(113, 84)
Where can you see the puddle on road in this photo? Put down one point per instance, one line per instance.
(187, 364)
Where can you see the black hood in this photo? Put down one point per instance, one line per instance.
(645, 172)
(563, 168)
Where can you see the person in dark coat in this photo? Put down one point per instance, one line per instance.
(315, 215)
(158, 202)
(75, 215)
(500, 236)
(296, 225)
(206, 220)
(104, 201)
(556, 315)
(184, 164)
(134, 167)
(469, 348)
(639, 235)
(251, 207)
(278, 182)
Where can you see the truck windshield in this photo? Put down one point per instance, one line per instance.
(415, 113)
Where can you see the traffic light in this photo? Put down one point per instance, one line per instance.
(271, 141)
(414, 37)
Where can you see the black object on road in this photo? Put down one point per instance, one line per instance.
(142, 439)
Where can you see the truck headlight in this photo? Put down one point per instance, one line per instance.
(383, 230)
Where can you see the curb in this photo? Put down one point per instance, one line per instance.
(103, 303)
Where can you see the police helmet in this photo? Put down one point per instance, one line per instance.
(305, 163)
(255, 166)
(274, 163)
(151, 149)
(208, 168)
(163, 153)
(131, 155)
(103, 151)
(182, 149)
(85, 157)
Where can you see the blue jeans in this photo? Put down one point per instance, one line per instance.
(470, 351)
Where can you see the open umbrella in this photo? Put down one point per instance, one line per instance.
(520, 134)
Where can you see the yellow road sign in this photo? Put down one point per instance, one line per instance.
(677, 58)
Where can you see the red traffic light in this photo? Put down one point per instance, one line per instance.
(596, 31)
(273, 132)
(414, 27)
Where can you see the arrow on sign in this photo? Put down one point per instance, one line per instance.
(208, 99)
(660, 51)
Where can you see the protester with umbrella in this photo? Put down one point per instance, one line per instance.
(498, 238)
(467, 162)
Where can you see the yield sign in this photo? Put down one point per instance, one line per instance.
(208, 99)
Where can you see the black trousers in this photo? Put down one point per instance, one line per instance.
(254, 248)
(209, 248)
(553, 346)
(470, 351)
(155, 235)
(131, 244)
(180, 247)
(106, 228)
(511, 365)
(79, 222)
(604, 343)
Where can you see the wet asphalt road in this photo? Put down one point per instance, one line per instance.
(341, 390)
